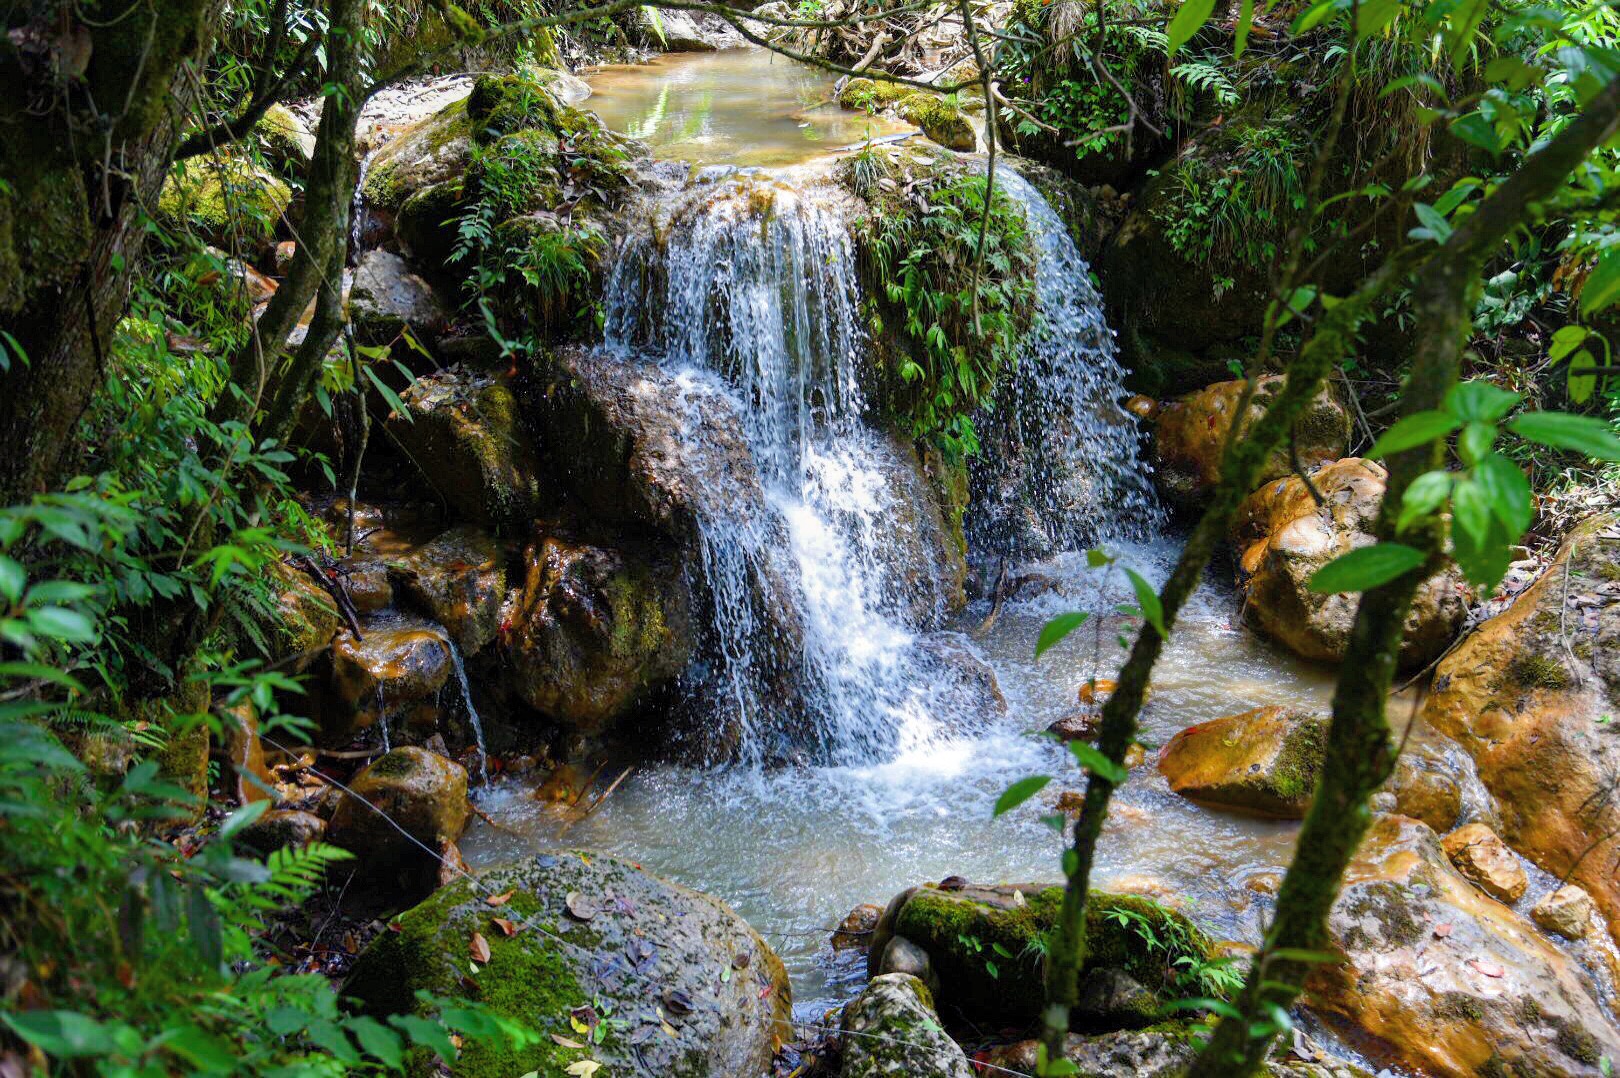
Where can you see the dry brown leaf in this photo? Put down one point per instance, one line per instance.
(1489, 969)
(507, 927)
(566, 1042)
(478, 947)
(1441, 931)
(500, 899)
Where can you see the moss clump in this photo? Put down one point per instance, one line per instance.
(939, 116)
(1534, 671)
(284, 137)
(1294, 775)
(219, 194)
(990, 954)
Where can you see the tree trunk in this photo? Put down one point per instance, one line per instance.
(92, 112)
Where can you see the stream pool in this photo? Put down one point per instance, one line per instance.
(793, 850)
(735, 107)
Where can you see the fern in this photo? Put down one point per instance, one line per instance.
(1201, 75)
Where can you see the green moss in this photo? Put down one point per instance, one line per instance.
(939, 116)
(1386, 903)
(1533, 671)
(392, 764)
(284, 137)
(1294, 776)
(219, 194)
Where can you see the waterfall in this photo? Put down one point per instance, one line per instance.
(472, 712)
(749, 290)
(1062, 465)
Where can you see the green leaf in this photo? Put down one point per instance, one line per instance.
(1582, 385)
(1432, 220)
(242, 817)
(1508, 492)
(1476, 130)
(63, 1034)
(378, 1041)
(13, 578)
(1092, 759)
(1148, 599)
(1244, 22)
(1366, 568)
(1314, 15)
(1055, 630)
(1373, 15)
(1577, 433)
(1565, 341)
(1419, 428)
(1424, 495)
(1019, 792)
(389, 395)
(1188, 21)
(1602, 285)
(1476, 441)
(1479, 400)
(62, 624)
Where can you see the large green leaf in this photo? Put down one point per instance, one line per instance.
(1366, 568)
(1602, 285)
(1508, 492)
(1019, 792)
(1056, 629)
(1577, 433)
(1148, 600)
(1188, 21)
(1419, 428)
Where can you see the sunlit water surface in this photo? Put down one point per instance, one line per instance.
(736, 107)
(793, 850)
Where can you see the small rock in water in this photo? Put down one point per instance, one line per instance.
(1568, 911)
(1485, 859)
(854, 932)
(900, 955)
(1082, 724)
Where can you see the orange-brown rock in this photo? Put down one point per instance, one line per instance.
(1191, 432)
(403, 805)
(1481, 855)
(1440, 980)
(854, 932)
(1262, 761)
(398, 661)
(1284, 537)
(458, 579)
(1531, 695)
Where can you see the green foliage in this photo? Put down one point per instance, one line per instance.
(961, 316)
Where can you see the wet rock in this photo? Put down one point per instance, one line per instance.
(680, 31)
(1289, 538)
(854, 932)
(466, 437)
(366, 581)
(1530, 695)
(419, 791)
(244, 755)
(961, 681)
(398, 662)
(386, 299)
(1481, 855)
(279, 828)
(306, 618)
(459, 580)
(1163, 1052)
(940, 119)
(1082, 724)
(282, 258)
(1264, 761)
(655, 952)
(1113, 999)
(1426, 786)
(286, 139)
(900, 955)
(1488, 994)
(428, 152)
(981, 942)
(596, 631)
(891, 1029)
(1191, 430)
(1568, 912)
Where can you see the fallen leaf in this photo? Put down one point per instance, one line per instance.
(1441, 931)
(499, 900)
(478, 947)
(741, 959)
(582, 907)
(507, 927)
(678, 1002)
(1489, 969)
(566, 1042)
(584, 1068)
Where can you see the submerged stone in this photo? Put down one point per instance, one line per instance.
(687, 988)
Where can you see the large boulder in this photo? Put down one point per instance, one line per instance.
(596, 631)
(307, 616)
(396, 662)
(1191, 432)
(387, 298)
(430, 151)
(1438, 978)
(1263, 761)
(222, 196)
(891, 1029)
(1164, 1051)
(682, 983)
(459, 580)
(1285, 537)
(465, 435)
(983, 944)
(404, 804)
(1530, 695)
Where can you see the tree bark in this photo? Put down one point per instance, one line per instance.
(91, 111)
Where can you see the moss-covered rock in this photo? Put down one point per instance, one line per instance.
(285, 139)
(891, 1029)
(465, 435)
(222, 195)
(428, 222)
(596, 631)
(683, 986)
(1164, 1051)
(306, 618)
(1264, 761)
(403, 801)
(939, 116)
(458, 579)
(985, 943)
(428, 152)
(387, 299)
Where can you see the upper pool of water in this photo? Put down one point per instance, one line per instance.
(735, 107)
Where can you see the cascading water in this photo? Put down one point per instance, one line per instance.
(1062, 467)
(472, 713)
(753, 294)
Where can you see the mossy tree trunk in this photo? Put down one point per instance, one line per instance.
(1360, 752)
(92, 99)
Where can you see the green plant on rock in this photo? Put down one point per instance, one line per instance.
(961, 317)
